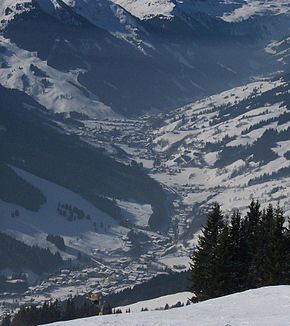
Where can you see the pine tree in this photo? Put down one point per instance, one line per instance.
(204, 260)
(264, 246)
(249, 244)
(223, 263)
(275, 263)
(69, 310)
(287, 245)
(238, 269)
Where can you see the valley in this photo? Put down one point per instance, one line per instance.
(122, 122)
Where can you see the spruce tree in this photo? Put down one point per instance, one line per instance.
(238, 269)
(264, 246)
(203, 266)
(249, 244)
(223, 265)
(287, 245)
(275, 263)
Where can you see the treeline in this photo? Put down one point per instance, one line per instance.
(235, 254)
(18, 256)
(14, 189)
(50, 312)
(156, 287)
(57, 240)
(71, 213)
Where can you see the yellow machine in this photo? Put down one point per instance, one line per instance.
(95, 298)
(104, 308)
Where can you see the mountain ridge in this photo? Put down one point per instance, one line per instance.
(111, 59)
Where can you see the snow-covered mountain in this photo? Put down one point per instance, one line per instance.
(111, 217)
(130, 193)
(104, 58)
(228, 10)
(230, 147)
(260, 307)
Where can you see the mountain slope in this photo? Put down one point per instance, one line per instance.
(228, 10)
(105, 212)
(99, 59)
(228, 148)
(261, 307)
(73, 164)
(69, 188)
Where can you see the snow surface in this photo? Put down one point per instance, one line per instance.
(136, 213)
(33, 227)
(145, 9)
(258, 7)
(10, 8)
(101, 13)
(158, 303)
(61, 92)
(268, 306)
(229, 10)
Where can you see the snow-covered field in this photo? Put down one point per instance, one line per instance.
(269, 306)
(158, 303)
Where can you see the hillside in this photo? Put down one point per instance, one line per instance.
(261, 307)
(229, 148)
(58, 185)
(228, 10)
(107, 59)
(123, 121)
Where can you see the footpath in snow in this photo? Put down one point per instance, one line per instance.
(268, 306)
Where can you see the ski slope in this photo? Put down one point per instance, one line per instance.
(158, 303)
(268, 306)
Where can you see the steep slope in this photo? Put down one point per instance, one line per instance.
(105, 213)
(251, 8)
(261, 307)
(29, 140)
(228, 10)
(229, 148)
(97, 57)
(53, 184)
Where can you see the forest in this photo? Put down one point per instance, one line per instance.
(234, 254)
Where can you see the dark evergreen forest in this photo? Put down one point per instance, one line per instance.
(235, 254)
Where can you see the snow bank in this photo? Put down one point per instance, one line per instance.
(268, 306)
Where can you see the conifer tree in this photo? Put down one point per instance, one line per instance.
(265, 237)
(275, 263)
(287, 244)
(237, 253)
(249, 244)
(204, 260)
(222, 269)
